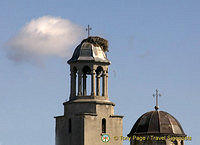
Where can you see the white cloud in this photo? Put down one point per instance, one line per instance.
(44, 36)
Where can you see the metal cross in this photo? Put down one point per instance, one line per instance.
(88, 30)
(157, 95)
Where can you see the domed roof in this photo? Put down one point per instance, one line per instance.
(157, 123)
(91, 49)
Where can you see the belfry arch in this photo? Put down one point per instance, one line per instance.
(99, 72)
(86, 72)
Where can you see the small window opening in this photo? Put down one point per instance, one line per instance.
(70, 125)
(103, 125)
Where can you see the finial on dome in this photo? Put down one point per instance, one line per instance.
(88, 30)
(156, 95)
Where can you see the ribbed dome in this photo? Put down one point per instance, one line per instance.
(92, 49)
(157, 123)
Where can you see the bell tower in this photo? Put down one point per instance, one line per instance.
(88, 114)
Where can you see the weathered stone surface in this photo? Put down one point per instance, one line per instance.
(97, 41)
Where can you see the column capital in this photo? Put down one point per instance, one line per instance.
(98, 76)
(84, 76)
(93, 71)
(79, 72)
(104, 73)
(72, 74)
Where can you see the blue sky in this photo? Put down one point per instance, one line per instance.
(153, 44)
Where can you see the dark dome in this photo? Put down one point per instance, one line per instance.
(157, 123)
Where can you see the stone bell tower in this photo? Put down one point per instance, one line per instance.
(88, 114)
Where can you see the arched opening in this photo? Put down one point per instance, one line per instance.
(70, 125)
(86, 85)
(175, 142)
(86, 70)
(182, 142)
(103, 125)
(99, 72)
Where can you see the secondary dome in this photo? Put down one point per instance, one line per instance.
(92, 49)
(157, 123)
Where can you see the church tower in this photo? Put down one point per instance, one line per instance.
(88, 114)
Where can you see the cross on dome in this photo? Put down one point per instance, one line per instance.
(88, 30)
(157, 95)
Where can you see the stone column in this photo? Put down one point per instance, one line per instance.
(79, 83)
(84, 85)
(104, 84)
(73, 83)
(106, 92)
(98, 85)
(93, 83)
